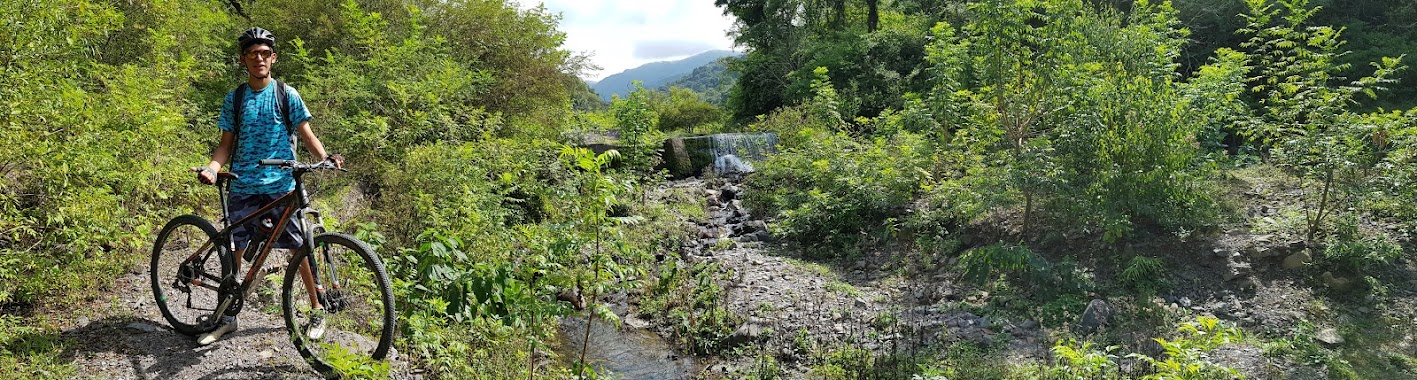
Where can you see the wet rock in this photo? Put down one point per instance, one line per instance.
(1095, 316)
(1236, 269)
(1335, 282)
(729, 193)
(1260, 252)
(750, 332)
(1329, 336)
(763, 236)
(636, 323)
(142, 327)
(1298, 260)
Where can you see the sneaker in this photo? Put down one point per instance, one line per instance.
(316, 328)
(228, 324)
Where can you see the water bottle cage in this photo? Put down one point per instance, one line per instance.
(260, 233)
(266, 225)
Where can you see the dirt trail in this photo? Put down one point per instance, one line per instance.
(127, 338)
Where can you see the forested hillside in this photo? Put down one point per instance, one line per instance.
(655, 74)
(982, 189)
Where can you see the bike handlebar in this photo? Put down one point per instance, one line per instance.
(300, 166)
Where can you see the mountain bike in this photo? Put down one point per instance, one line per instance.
(195, 283)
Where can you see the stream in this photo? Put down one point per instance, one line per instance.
(629, 353)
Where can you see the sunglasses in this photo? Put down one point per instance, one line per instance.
(262, 54)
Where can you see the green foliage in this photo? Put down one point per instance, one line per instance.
(636, 121)
(690, 299)
(1083, 361)
(712, 81)
(1184, 358)
(514, 54)
(1186, 355)
(1307, 120)
(1013, 261)
(854, 362)
(107, 127)
(832, 190)
(1146, 275)
(967, 361)
(1089, 127)
(1353, 251)
(1301, 345)
(30, 352)
(684, 110)
(354, 366)
(386, 94)
(469, 189)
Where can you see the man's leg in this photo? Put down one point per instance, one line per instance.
(316, 328)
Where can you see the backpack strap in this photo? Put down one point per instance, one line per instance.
(283, 107)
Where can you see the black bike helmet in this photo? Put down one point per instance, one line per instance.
(256, 35)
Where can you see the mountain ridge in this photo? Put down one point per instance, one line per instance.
(655, 74)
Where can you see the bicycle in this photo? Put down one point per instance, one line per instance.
(193, 260)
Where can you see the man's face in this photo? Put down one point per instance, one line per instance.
(258, 60)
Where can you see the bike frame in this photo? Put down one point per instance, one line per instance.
(296, 202)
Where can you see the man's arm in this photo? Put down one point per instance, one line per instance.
(219, 158)
(313, 145)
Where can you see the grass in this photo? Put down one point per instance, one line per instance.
(32, 352)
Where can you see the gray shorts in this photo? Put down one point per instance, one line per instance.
(245, 204)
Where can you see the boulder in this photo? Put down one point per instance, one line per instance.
(1095, 316)
(1329, 336)
(1298, 259)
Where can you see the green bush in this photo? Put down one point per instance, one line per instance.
(690, 301)
(1146, 275)
(832, 191)
(1017, 263)
(1354, 251)
(109, 127)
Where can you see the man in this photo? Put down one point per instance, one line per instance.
(261, 134)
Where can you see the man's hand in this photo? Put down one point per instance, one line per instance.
(205, 174)
(337, 159)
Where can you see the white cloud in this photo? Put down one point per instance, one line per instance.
(623, 34)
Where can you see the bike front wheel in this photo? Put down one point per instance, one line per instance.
(349, 319)
(188, 265)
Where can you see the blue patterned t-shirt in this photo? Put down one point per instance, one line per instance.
(262, 136)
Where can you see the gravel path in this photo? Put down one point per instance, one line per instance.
(127, 338)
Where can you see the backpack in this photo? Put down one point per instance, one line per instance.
(238, 102)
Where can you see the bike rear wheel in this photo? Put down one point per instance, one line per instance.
(357, 305)
(187, 268)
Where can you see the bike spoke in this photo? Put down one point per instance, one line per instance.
(357, 314)
(184, 252)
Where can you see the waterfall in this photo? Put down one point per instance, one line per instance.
(724, 152)
(754, 146)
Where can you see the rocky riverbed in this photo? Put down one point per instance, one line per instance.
(794, 308)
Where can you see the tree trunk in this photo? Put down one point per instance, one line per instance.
(873, 15)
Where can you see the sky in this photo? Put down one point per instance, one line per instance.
(624, 34)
